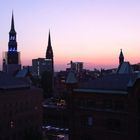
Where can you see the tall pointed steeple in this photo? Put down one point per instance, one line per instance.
(12, 45)
(49, 84)
(12, 23)
(49, 52)
(49, 39)
(121, 57)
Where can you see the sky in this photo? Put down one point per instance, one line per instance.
(89, 31)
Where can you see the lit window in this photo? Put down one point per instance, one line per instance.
(90, 121)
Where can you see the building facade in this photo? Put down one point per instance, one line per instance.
(77, 67)
(107, 108)
(21, 111)
(40, 65)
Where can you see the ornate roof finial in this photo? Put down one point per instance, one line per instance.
(121, 57)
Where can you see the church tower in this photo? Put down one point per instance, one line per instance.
(12, 45)
(11, 60)
(47, 79)
(121, 57)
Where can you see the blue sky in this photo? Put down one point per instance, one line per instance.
(92, 31)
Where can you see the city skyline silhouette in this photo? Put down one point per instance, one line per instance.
(92, 32)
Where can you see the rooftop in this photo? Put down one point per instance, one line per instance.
(118, 82)
(71, 79)
(100, 91)
(125, 68)
(10, 82)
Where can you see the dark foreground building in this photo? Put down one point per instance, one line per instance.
(106, 109)
(21, 112)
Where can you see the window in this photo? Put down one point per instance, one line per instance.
(119, 105)
(79, 103)
(91, 103)
(12, 38)
(108, 104)
(90, 121)
(100, 104)
(86, 121)
(114, 124)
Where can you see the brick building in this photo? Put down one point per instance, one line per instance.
(21, 112)
(107, 108)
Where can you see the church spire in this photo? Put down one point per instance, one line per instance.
(49, 39)
(12, 45)
(49, 52)
(12, 23)
(121, 57)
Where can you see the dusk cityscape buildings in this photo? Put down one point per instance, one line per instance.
(40, 65)
(38, 103)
